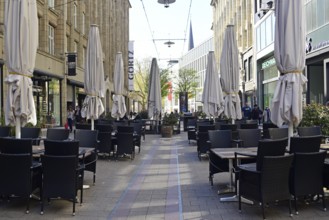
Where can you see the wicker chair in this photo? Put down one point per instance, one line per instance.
(61, 177)
(248, 137)
(266, 126)
(33, 133)
(191, 129)
(309, 131)
(125, 145)
(307, 176)
(58, 134)
(88, 138)
(4, 131)
(305, 144)
(202, 143)
(218, 139)
(278, 133)
(270, 183)
(17, 177)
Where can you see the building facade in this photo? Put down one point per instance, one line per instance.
(63, 29)
(196, 59)
(316, 48)
(240, 14)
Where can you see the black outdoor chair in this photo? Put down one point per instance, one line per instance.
(88, 138)
(4, 131)
(58, 134)
(248, 137)
(33, 133)
(218, 139)
(17, 177)
(104, 127)
(306, 177)
(305, 144)
(278, 133)
(138, 132)
(191, 129)
(249, 126)
(232, 127)
(125, 145)
(105, 143)
(11, 145)
(83, 126)
(202, 143)
(266, 127)
(61, 177)
(67, 148)
(309, 131)
(266, 147)
(270, 183)
(125, 129)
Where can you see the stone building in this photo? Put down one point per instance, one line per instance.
(63, 29)
(239, 13)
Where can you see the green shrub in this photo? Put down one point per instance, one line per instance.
(169, 119)
(316, 115)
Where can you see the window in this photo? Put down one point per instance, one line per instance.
(83, 23)
(51, 3)
(75, 15)
(83, 56)
(75, 47)
(51, 46)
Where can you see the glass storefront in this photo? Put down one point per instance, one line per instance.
(269, 89)
(46, 92)
(54, 100)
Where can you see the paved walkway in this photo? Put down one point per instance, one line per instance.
(165, 181)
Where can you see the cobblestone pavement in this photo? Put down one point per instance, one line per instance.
(165, 181)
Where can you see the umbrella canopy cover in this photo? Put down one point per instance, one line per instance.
(229, 70)
(119, 106)
(154, 94)
(21, 43)
(94, 84)
(212, 97)
(289, 53)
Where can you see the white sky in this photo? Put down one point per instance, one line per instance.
(168, 23)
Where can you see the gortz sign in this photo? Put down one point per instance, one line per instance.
(131, 66)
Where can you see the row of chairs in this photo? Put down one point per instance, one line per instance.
(58, 174)
(276, 176)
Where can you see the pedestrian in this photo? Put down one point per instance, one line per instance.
(70, 117)
(77, 113)
(267, 115)
(257, 113)
(246, 110)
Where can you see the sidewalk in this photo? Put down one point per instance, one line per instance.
(165, 181)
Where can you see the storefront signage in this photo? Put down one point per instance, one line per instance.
(268, 63)
(131, 66)
(71, 64)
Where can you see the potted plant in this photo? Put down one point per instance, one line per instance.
(168, 121)
(315, 114)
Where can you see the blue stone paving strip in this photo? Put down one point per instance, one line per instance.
(174, 198)
(122, 208)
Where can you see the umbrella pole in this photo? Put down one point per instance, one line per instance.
(92, 124)
(290, 132)
(18, 128)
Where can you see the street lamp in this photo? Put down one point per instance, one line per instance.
(166, 2)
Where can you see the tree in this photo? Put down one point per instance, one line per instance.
(142, 78)
(186, 81)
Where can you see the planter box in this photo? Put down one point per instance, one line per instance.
(166, 131)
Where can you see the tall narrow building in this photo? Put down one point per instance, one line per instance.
(191, 41)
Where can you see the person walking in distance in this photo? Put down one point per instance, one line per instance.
(70, 117)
